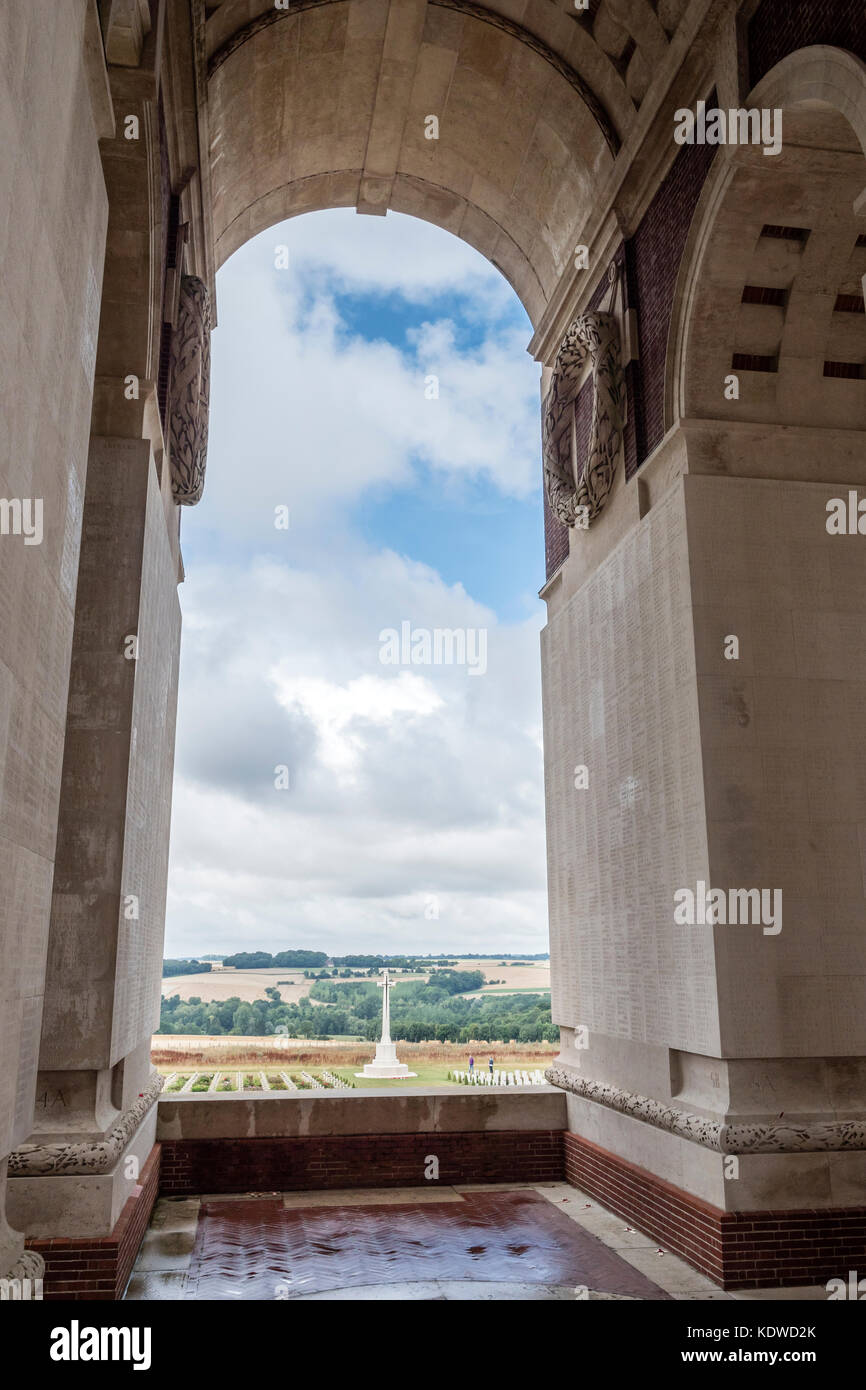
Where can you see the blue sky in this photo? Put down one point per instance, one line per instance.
(414, 815)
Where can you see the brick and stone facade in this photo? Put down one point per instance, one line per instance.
(737, 1249)
(732, 281)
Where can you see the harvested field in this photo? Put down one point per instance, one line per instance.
(251, 984)
(245, 984)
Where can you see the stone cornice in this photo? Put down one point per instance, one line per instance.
(88, 1156)
(828, 1137)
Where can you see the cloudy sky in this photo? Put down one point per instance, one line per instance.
(413, 815)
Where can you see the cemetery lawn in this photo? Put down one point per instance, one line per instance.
(436, 1073)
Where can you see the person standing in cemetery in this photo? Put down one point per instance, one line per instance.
(471, 1065)
(490, 1065)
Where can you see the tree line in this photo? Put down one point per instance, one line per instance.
(420, 1012)
(263, 960)
(185, 967)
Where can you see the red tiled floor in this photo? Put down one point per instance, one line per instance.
(257, 1249)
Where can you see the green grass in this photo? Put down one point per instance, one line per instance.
(436, 1074)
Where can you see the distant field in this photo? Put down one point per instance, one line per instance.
(515, 977)
(251, 984)
(243, 984)
(170, 1050)
(503, 989)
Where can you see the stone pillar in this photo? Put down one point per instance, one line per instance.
(53, 109)
(726, 1059)
(95, 1111)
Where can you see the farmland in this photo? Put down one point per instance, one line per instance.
(252, 984)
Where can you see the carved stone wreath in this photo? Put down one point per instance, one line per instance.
(578, 501)
(29, 1265)
(190, 392)
(85, 1157)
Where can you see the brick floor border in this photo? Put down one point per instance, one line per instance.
(737, 1249)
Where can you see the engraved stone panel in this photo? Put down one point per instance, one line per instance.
(782, 730)
(138, 968)
(620, 696)
(52, 237)
(105, 952)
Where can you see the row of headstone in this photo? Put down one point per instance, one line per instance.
(335, 1081)
(499, 1078)
(327, 1080)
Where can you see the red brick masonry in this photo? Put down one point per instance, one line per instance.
(359, 1160)
(739, 1249)
(99, 1268)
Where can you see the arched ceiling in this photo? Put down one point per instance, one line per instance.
(324, 104)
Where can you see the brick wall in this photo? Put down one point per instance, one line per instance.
(555, 541)
(99, 1268)
(652, 261)
(780, 27)
(653, 257)
(366, 1160)
(740, 1249)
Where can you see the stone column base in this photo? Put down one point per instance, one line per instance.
(737, 1249)
(80, 1189)
(98, 1268)
(17, 1265)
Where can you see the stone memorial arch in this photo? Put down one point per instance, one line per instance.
(698, 312)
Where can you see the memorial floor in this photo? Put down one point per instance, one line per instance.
(497, 1242)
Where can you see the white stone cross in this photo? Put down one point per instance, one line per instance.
(385, 985)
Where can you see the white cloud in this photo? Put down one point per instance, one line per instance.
(393, 255)
(407, 784)
(339, 712)
(311, 416)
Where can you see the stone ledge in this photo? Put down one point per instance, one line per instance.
(371, 1111)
